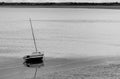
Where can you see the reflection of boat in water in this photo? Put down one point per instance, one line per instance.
(36, 58)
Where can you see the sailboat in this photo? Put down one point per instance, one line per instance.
(36, 58)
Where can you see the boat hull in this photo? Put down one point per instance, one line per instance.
(31, 60)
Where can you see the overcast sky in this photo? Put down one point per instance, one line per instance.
(59, 0)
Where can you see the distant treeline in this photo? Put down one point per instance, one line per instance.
(62, 4)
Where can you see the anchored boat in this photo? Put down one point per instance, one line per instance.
(36, 58)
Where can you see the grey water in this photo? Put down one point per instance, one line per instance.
(60, 32)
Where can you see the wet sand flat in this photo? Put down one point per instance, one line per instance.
(106, 71)
(13, 68)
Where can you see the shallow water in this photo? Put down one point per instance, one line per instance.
(60, 32)
(67, 33)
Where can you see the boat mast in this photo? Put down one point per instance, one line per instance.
(33, 35)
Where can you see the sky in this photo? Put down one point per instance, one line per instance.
(59, 0)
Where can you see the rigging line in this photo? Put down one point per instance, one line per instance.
(33, 34)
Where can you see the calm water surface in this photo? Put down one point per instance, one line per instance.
(60, 32)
